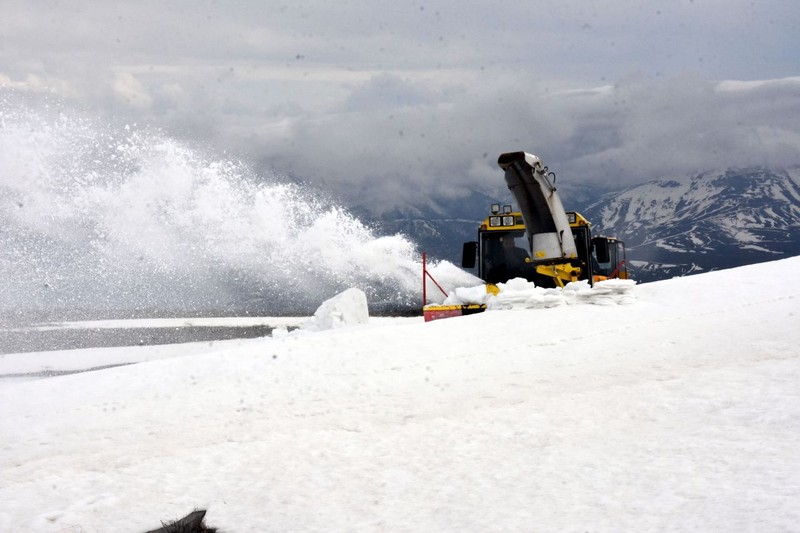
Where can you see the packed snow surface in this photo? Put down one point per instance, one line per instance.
(679, 411)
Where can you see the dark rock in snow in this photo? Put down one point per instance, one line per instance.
(191, 523)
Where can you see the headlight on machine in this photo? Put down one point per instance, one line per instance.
(508, 221)
(494, 221)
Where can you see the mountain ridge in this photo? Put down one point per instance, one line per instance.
(672, 226)
(716, 219)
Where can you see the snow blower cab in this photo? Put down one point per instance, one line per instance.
(500, 254)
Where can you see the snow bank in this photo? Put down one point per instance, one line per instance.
(519, 293)
(344, 309)
(608, 292)
(667, 415)
(467, 295)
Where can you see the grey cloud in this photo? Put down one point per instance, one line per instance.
(618, 135)
(390, 101)
(386, 91)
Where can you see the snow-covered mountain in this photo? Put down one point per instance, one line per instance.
(685, 225)
(704, 222)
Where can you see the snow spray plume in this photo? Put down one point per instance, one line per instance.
(96, 220)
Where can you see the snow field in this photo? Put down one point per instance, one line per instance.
(678, 412)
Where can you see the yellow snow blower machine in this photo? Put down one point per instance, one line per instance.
(541, 242)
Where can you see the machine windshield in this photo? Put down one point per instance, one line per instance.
(505, 256)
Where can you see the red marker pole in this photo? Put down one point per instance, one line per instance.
(424, 275)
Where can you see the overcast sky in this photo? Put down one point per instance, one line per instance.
(393, 99)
